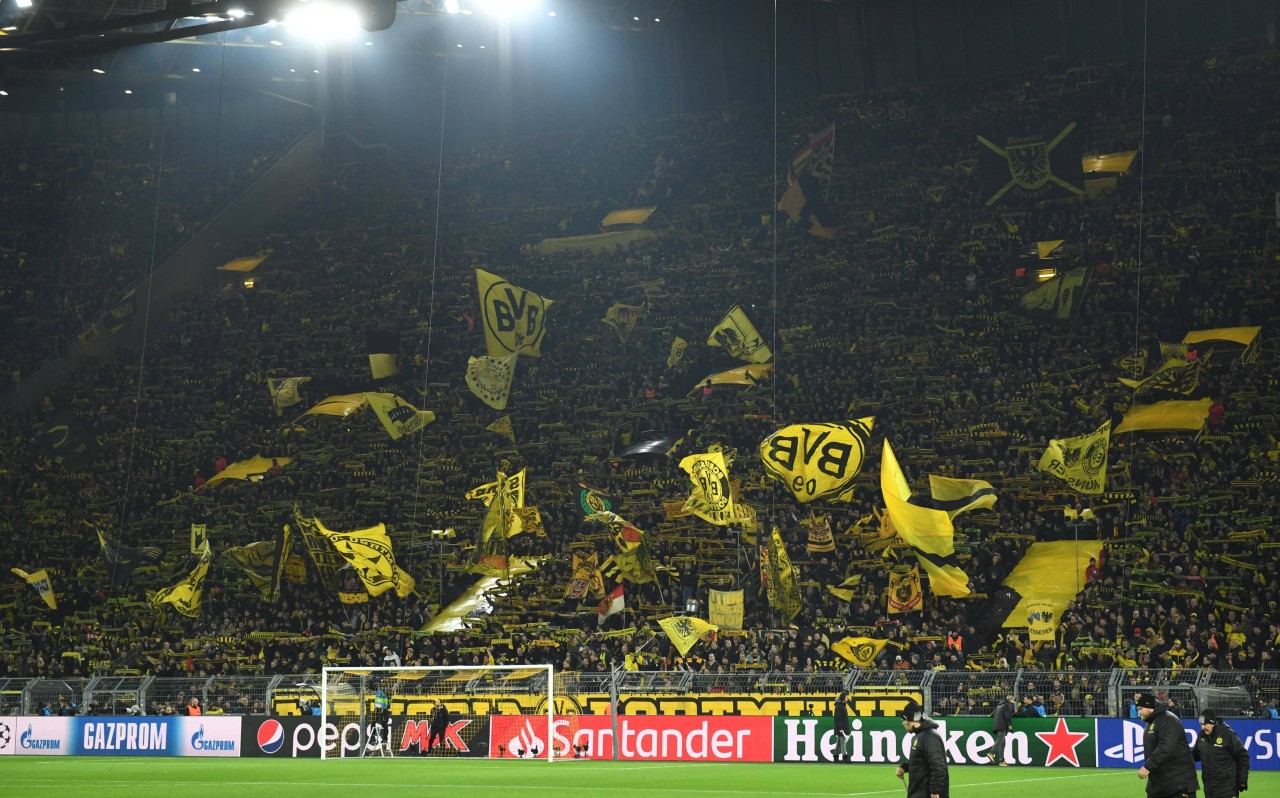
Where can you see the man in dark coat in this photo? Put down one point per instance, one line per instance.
(840, 718)
(1001, 724)
(1224, 759)
(1169, 769)
(439, 726)
(927, 764)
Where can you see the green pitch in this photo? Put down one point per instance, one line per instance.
(58, 777)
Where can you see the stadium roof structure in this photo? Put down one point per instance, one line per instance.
(47, 30)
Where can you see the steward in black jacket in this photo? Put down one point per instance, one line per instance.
(1169, 769)
(927, 765)
(1224, 759)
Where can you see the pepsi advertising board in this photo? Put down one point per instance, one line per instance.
(292, 736)
(1120, 741)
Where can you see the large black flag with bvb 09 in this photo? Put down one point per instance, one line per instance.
(1039, 166)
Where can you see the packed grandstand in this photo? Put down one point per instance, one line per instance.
(710, 438)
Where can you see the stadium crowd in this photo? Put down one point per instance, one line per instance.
(905, 316)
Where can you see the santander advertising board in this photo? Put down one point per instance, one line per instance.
(671, 738)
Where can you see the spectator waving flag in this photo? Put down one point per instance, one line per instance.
(736, 333)
(613, 603)
(514, 318)
(40, 582)
(685, 630)
(816, 158)
(1081, 461)
(927, 531)
(186, 595)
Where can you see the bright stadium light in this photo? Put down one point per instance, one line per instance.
(324, 22)
(506, 9)
(451, 7)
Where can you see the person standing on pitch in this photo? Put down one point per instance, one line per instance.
(1169, 770)
(927, 764)
(439, 725)
(1001, 725)
(840, 716)
(1224, 759)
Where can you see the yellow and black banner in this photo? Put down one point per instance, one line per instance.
(711, 498)
(285, 392)
(861, 651)
(678, 348)
(779, 575)
(1059, 297)
(383, 346)
(185, 596)
(622, 318)
(1032, 167)
(905, 594)
(818, 462)
(927, 531)
(398, 417)
(820, 540)
(805, 206)
(724, 608)
(40, 582)
(490, 378)
(514, 318)
(1081, 461)
(736, 333)
(685, 630)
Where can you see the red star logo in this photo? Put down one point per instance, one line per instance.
(1062, 743)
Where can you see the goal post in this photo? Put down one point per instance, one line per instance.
(494, 711)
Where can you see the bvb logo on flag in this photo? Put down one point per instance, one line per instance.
(714, 483)
(818, 461)
(1094, 460)
(865, 652)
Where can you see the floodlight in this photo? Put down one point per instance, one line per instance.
(506, 8)
(323, 21)
(23, 3)
(451, 7)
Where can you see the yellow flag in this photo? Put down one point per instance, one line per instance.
(622, 318)
(503, 427)
(1060, 297)
(514, 318)
(1081, 461)
(1177, 375)
(285, 392)
(736, 333)
(255, 466)
(724, 608)
(928, 532)
(398, 417)
(340, 405)
(585, 569)
(685, 630)
(185, 596)
(954, 496)
(1174, 415)
(1244, 336)
(818, 462)
(905, 594)
(40, 581)
(861, 651)
(678, 347)
(820, 538)
(779, 575)
(711, 498)
(369, 552)
(511, 486)
(490, 378)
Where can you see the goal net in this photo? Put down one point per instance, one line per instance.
(498, 711)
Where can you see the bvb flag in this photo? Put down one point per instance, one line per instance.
(1081, 461)
(724, 608)
(613, 603)
(284, 393)
(820, 537)
(122, 560)
(805, 206)
(1059, 297)
(398, 417)
(861, 651)
(622, 318)
(1032, 167)
(490, 378)
(185, 596)
(368, 551)
(779, 575)
(678, 347)
(818, 462)
(905, 594)
(39, 581)
(954, 496)
(927, 531)
(685, 630)
(736, 333)
(514, 318)
(711, 498)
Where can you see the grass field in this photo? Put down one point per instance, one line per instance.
(58, 777)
